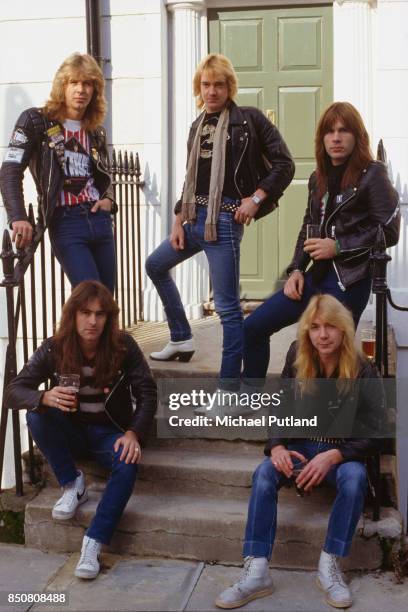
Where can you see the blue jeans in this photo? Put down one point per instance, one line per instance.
(61, 439)
(350, 480)
(279, 311)
(83, 243)
(223, 260)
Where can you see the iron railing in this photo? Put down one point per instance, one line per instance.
(35, 277)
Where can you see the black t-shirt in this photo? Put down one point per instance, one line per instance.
(204, 163)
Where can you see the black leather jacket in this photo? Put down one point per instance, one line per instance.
(261, 158)
(32, 125)
(354, 223)
(352, 449)
(133, 383)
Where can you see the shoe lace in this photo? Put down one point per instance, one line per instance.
(335, 573)
(90, 551)
(69, 494)
(246, 572)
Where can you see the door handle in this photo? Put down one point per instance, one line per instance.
(271, 114)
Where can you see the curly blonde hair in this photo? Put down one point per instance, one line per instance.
(85, 67)
(307, 365)
(216, 65)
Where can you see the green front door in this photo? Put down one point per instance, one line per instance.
(284, 62)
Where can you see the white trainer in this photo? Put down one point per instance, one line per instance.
(75, 493)
(255, 581)
(182, 350)
(88, 565)
(330, 580)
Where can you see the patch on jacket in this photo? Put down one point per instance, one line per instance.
(18, 137)
(14, 155)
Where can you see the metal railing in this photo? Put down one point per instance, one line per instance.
(35, 277)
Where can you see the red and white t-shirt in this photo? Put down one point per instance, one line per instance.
(79, 185)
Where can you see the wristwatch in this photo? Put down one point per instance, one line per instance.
(256, 199)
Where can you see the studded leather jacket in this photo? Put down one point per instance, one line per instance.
(31, 145)
(354, 223)
(261, 159)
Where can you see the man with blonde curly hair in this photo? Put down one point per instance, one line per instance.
(238, 167)
(64, 145)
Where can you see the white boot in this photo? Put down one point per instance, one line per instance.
(255, 581)
(75, 493)
(330, 580)
(88, 565)
(182, 350)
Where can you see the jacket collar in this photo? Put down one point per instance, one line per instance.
(236, 116)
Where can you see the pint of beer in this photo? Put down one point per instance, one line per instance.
(368, 342)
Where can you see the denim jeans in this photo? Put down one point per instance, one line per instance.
(350, 480)
(82, 241)
(223, 260)
(61, 439)
(279, 311)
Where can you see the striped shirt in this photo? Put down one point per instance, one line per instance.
(91, 399)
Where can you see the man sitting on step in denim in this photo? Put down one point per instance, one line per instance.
(100, 421)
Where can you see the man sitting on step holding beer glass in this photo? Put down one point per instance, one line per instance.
(350, 195)
(325, 349)
(100, 423)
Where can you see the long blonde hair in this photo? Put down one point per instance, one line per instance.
(307, 364)
(215, 64)
(85, 67)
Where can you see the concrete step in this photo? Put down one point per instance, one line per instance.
(199, 528)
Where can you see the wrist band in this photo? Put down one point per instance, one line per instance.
(338, 248)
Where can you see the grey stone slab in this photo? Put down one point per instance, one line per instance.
(128, 585)
(296, 591)
(25, 569)
(198, 528)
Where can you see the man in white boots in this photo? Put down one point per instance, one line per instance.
(100, 421)
(238, 167)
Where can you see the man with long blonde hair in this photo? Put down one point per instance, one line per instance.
(350, 198)
(64, 145)
(238, 166)
(325, 350)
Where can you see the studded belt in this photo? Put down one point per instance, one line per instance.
(327, 440)
(227, 204)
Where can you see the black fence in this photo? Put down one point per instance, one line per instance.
(36, 289)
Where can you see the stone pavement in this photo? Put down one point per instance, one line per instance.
(128, 584)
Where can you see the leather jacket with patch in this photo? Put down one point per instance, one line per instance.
(370, 409)
(261, 159)
(32, 146)
(354, 223)
(133, 384)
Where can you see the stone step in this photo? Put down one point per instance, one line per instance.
(200, 528)
(217, 470)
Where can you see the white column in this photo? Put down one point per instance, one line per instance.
(187, 48)
(353, 35)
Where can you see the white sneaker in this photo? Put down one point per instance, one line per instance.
(88, 565)
(75, 493)
(330, 580)
(182, 350)
(255, 581)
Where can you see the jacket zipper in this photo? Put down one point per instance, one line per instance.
(339, 208)
(354, 256)
(340, 284)
(48, 189)
(238, 165)
(108, 398)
